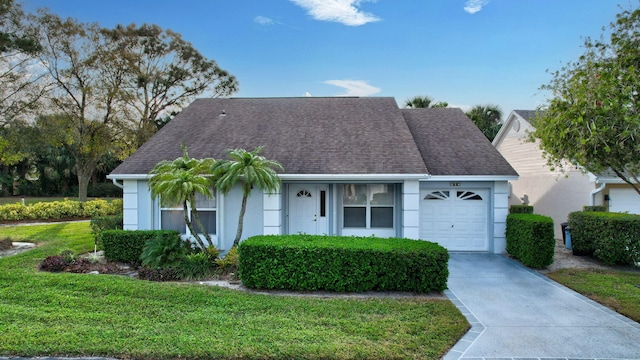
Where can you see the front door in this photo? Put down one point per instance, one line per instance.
(307, 209)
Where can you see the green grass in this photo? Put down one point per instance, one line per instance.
(103, 315)
(618, 290)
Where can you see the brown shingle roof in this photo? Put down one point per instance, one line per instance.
(452, 145)
(307, 135)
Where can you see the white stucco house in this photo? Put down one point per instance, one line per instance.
(352, 166)
(553, 193)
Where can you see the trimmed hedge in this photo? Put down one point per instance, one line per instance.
(594, 208)
(343, 264)
(126, 245)
(520, 209)
(59, 210)
(613, 238)
(530, 239)
(102, 223)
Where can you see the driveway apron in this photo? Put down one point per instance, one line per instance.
(516, 312)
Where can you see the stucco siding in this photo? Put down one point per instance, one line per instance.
(130, 204)
(411, 209)
(230, 210)
(145, 206)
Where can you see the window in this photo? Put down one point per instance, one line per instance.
(368, 205)
(172, 215)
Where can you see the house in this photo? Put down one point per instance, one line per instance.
(352, 166)
(552, 192)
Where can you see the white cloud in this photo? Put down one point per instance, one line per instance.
(307, 94)
(263, 20)
(342, 11)
(473, 6)
(354, 87)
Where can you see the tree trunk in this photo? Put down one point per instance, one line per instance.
(190, 226)
(83, 183)
(196, 219)
(236, 241)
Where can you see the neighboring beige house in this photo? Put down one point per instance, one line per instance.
(551, 193)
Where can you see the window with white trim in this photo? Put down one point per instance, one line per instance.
(172, 215)
(368, 205)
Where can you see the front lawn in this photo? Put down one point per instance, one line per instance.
(618, 290)
(105, 315)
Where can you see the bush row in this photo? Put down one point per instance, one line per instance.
(59, 210)
(520, 209)
(530, 239)
(344, 264)
(613, 238)
(127, 245)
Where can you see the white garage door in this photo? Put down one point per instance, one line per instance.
(624, 200)
(455, 218)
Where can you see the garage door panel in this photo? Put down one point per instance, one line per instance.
(624, 200)
(458, 220)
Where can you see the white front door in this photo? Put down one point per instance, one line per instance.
(455, 218)
(307, 209)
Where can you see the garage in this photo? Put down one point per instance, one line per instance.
(624, 200)
(455, 218)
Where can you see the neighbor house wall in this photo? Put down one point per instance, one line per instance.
(551, 193)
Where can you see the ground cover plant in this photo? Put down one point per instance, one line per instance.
(616, 289)
(68, 314)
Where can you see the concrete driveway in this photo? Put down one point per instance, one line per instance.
(518, 313)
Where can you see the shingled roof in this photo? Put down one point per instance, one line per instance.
(334, 135)
(451, 144)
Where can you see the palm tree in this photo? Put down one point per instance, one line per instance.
(487, 118)
(178, 182)
(424, 102)
(251, 170)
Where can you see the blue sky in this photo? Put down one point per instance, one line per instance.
(465, 52)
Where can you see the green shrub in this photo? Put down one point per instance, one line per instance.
(613, 238)
(55, 263)
(530, 239)
(229, 263)
(59, 210)
(168, 274)
(163, 251)
(104, 189)
(596, 208)
(344, 264)
(584, 232)
(194, 267)
(126, 245)
(520, 209)
(6, 243)
(102, 223)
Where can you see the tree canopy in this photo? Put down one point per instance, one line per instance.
(593, 117)
(424, 102)
(487, 118)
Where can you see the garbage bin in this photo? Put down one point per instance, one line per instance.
(564, 226)
(567, 235)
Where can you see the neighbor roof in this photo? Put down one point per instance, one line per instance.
(528, 115)
(333, 135)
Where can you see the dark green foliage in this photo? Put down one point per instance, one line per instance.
(126, 245)
(6, 243)
(104, 190)
(521, 209)
(55, 263)
(102, 223)
(164, 251)
(195, 267)
(530, 239)
(596, 208)
(344, 264)
(613, 238)
(229, 263)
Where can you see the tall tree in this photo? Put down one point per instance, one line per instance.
(164, 72)
(488, 118)
(251, 170)
(178, 182)
(86, 91)
(22, 81)
(593, 117)
(424, 102)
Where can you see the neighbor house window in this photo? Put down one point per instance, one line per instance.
(172, 215)
(368, 205)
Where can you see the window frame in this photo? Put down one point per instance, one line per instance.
(368, 206)
(200, 209)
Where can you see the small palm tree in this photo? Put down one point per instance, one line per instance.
(178, 182)
(251, 170)
(487, 118)
(424, 102)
